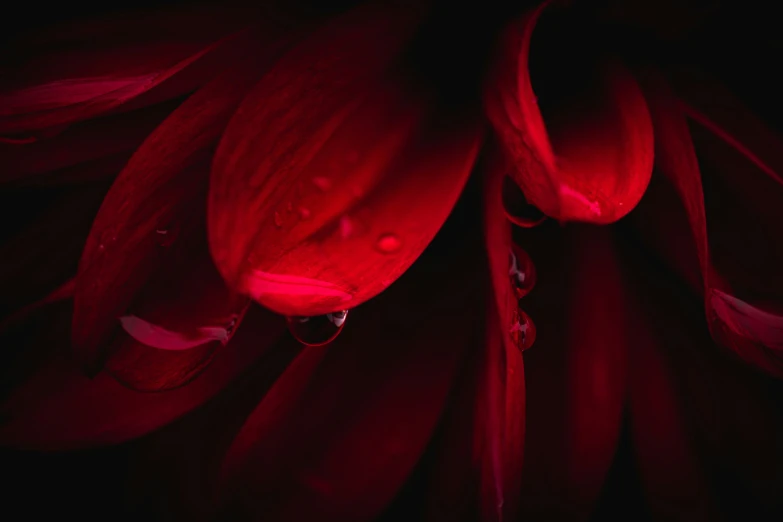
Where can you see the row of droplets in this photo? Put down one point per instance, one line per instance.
(522, 277)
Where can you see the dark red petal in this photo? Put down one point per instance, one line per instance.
(729, 187)
(708, 428)
(342, 429)
(348, 185)
(85, 69)
(577, 371)
(502, 401)
(582, 143)
(59, 408)
(158, 197)
(81, 143)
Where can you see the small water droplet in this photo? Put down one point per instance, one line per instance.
(322, 183)
(166, 236)
(388, 243)
(521, 272)
(346, 227)
(317, 330)
(304, 213)
(517, 208)
(289, 206)
(522, 331)
(278, 219)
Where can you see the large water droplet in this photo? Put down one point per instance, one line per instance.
(522, 330)
(388, 243)
(317, 330)
(516, 207)
(521, 272)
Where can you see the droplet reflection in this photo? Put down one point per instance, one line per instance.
(521, 272)
(317, 330)
(522, 330)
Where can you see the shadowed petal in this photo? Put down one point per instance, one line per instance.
(156, 200)
(576, 372)
(59, 408)
(575, 124)
(732, 198)
(342, 429)
(708, 428)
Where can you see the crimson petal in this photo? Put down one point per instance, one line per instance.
(502, 401)
(347, 185)
(581, 156)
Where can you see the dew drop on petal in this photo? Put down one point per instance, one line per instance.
(317, 330)
(388, 243)
(516, 207)
(522, 330)
(346, 227)
(322, 183)
(278, 219)
(521, 272)
(304, 213)
(165, 237)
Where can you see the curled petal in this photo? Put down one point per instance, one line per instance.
(330, 181)
(727, 187)
(582, 143)
(59, 408)
(157, 199)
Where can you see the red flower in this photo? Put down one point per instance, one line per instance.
(190, 196)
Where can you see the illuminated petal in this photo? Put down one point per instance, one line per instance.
(582, 143)
(330, 181)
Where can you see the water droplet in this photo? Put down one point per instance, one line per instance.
(522, 331)
(166, 236)
(278, 219)
(517, 208)
(289, 206)
(388, 243)
(317, 330)
(304, 213)
(346, 227)
(521, 272)
(322, 183)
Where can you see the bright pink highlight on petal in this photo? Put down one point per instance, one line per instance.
(258, 284)
(156, 336)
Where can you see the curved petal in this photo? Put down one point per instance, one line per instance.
(576, 372)
(59, 408)
(502, 400)
(582, 142)
(730, 189)
(348, 186)
(156, 200)
(342, 429)
(84, 69)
